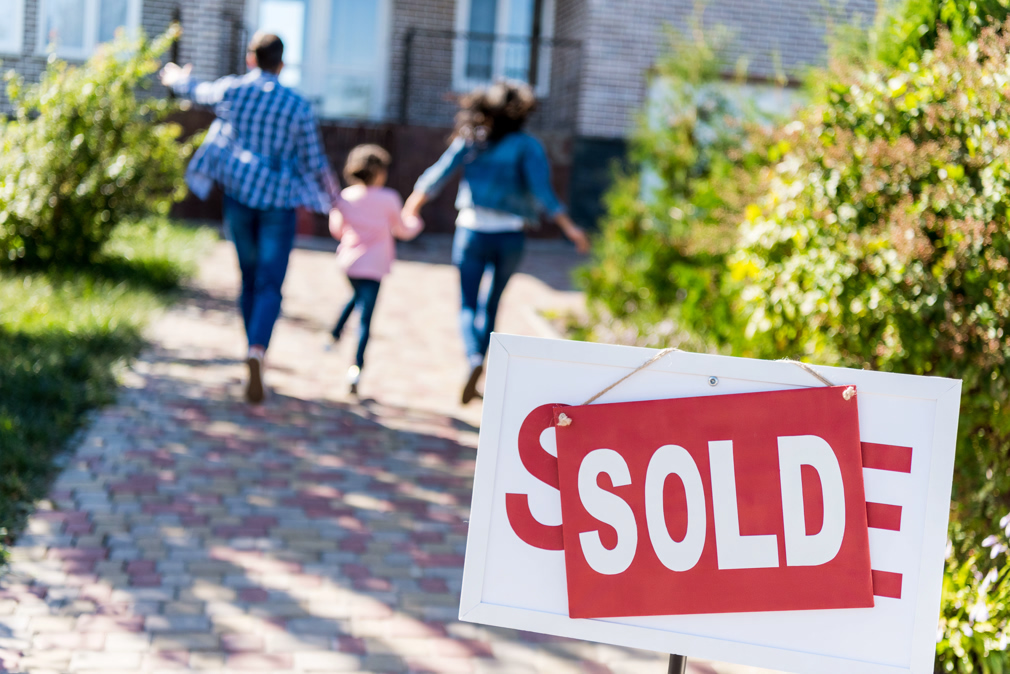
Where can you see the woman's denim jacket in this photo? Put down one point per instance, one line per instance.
(510, 175)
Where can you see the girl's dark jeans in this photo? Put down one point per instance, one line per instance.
(366, 292)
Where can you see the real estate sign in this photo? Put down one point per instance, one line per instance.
(714, 507)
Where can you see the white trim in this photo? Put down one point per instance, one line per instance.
(134, 12)
(598, 364)
(462, 83)
(15, 45)
(382, 68)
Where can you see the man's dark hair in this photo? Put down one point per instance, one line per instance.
(269, 51)
(364, 164)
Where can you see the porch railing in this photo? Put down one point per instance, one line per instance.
(436, 67)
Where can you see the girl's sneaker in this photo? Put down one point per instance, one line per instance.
(353, 377)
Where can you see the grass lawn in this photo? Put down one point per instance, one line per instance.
(63, 333)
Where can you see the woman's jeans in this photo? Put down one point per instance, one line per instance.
(366, 292)
(263, 241)
(477, 253)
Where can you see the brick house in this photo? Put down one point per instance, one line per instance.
(385, 70)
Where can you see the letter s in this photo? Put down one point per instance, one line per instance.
(544, 467)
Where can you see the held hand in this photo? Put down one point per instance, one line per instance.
(575, 234)
(172, 73)
(336, 223)
(578, 236)
(412, 209)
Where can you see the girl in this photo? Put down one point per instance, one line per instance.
(365, 221)
(506, 184)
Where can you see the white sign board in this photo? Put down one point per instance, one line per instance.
(510, 583)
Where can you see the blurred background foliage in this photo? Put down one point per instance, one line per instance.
(671, 219)
(88, 171)
(868, 230)
(903, 30)
(84, 152)
(64, 334)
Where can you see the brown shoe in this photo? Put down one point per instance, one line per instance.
(254, 390)
(470, 390)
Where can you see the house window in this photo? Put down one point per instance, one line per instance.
(348, 41)
(286, 19)
(73, 28)
(501, 39)
(13, 27)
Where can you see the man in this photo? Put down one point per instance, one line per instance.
(264, 151)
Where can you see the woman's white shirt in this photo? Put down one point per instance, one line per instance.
(489, 221)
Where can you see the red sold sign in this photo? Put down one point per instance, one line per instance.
(750, 502)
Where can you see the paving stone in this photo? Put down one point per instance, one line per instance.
(315, 533)
(84, 660)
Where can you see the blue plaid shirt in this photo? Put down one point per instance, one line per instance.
(263, 149)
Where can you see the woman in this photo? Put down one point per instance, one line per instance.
(505, 185)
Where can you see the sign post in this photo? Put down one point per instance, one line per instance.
(712, 507)
(678, 664)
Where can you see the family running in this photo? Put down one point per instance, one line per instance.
(264, 152)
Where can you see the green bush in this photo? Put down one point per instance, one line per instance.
(671, 220)
(84, 153)
(905, 30)
(884, 242)
(976, 609)
(63, 333)
(881, 240)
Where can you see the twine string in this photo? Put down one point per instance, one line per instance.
(824, 380)
(848, 393)
(644, 366)
(565, 420)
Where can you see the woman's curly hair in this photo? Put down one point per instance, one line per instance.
(489, 114)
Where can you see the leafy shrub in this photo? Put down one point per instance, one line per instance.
(976, 609)
(904, 30)
(884, 242)
(63, 333)
(84, 153)
(672, 219)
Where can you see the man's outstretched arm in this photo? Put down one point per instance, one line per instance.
(180, 80)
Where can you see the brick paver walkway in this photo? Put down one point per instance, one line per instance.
(316, 533)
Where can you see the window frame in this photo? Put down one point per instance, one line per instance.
(15, 47)
(316, 40)
(461, 83)
(134, 17)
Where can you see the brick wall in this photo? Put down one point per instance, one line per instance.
(27, 63)
(622, 40)
(212, 36)
(431, 63)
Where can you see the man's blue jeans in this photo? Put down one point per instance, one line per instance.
(477, 253)
(366, 292)
(263, 241)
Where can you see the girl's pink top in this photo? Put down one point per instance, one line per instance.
(365, 220)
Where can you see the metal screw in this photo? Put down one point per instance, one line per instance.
(713, 381)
